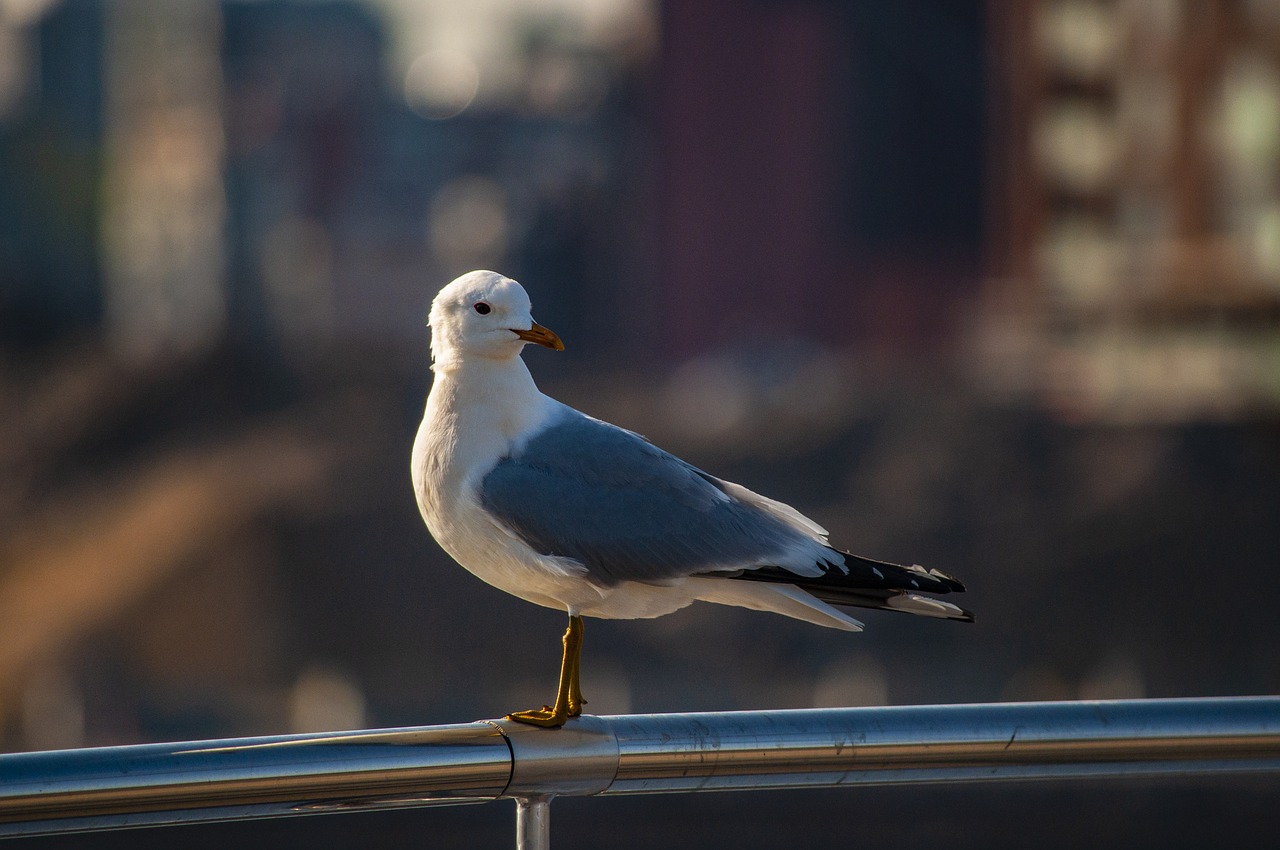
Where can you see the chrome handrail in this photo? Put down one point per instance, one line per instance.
(110, 787)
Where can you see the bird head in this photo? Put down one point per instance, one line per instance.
(483, 314)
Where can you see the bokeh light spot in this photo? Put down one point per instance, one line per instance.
(440, 84)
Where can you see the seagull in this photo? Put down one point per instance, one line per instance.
(573, 513)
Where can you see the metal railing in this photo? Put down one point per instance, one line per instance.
(111, 787)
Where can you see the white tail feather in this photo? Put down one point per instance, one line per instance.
(923, 606)
(782, 599)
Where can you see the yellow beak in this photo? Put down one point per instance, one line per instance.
(542, 336)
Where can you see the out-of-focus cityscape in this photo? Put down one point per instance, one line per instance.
(992, 287)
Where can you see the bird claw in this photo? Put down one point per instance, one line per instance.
(569, 701)
(546, 717)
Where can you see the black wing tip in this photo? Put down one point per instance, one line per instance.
(954, 584)
(895, 600)
(901, 576)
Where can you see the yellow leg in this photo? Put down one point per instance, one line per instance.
(575, 675)
(569, 699)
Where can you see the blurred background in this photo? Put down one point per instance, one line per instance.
(992, 287)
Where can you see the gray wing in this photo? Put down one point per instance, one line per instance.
(625, 509)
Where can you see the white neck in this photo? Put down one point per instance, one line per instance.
(492, 404)
(492, 389)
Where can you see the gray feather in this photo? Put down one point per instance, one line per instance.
(625, 509)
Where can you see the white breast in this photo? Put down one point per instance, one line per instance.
(464, 433)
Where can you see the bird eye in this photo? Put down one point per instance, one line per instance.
(482, 308)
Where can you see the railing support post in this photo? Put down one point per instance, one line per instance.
(533, 823)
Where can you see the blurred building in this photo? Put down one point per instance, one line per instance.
(51, 125)
(282, 179)
(822, 172)
(1136, 211)
(163, 205)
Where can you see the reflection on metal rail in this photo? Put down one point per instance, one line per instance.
(109, 787)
